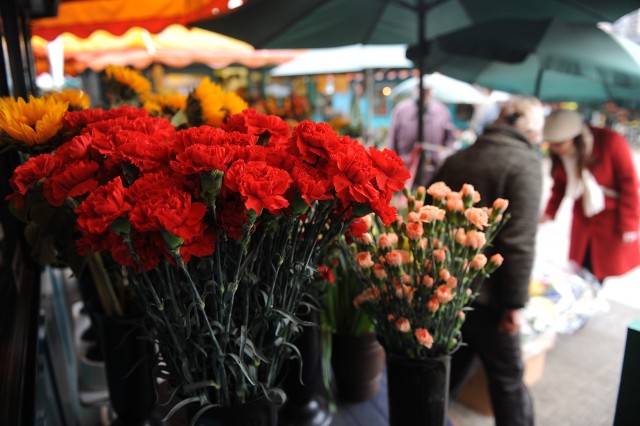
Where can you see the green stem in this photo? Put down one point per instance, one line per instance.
(108, 297)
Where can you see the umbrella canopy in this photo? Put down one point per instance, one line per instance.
(328, 23)
(83, 17)
(550, 59)
(345, 59)
(445, 89)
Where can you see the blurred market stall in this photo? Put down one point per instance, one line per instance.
(347, 59)
(175, 46)
(445, 89)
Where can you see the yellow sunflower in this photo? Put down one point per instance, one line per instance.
(34, 122)
(170, 103)
(77, 99)
(129, 78)
(216, 104)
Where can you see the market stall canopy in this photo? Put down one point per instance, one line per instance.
(345, 59)
(83, 17)
(444, 88)
(550, 59)
(175, 46)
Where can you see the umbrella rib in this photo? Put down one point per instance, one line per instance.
(577, 4)
(296, 18)
(369, 31)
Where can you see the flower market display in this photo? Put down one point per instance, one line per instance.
(215, 217)
(420, 271)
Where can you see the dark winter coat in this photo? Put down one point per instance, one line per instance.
(503, 164)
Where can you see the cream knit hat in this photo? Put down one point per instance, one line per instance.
(562, 125)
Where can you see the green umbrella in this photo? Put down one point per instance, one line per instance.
(329, 23)
(550, 59)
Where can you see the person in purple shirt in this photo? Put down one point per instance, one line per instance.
(438, 134)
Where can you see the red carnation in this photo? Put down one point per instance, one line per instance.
(358, 227)
(383, 210)
(199, 158)
(170, 211)
(201, 135)
(392, 174)
(259, 184)
(143, 151)
(253, 123)
(27, 174)
(71, 180)
(79, 119)
(352, 173)
(312, 140)
(200, 246)
(102, 207)
(311, 185)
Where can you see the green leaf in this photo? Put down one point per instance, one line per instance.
(179, 119)
(243, 368)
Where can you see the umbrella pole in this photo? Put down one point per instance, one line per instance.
(423, 7)
(422, 12)
(370, 110)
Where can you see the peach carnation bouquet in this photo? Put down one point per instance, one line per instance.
(421, 272)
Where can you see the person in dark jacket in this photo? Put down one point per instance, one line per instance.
(502, 163)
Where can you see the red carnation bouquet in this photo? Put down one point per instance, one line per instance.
(218, 230)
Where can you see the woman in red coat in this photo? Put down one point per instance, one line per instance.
(594, 167)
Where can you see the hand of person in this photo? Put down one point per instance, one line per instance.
(510, 322)
(629, 237)
(545, 218)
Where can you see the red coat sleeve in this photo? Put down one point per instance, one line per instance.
(557, 190)
(626, 179)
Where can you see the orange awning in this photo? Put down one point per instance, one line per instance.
(175, 46)
(83, 17)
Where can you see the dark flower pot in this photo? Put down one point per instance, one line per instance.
(129, 363)
(358, 363)
(418, 390)
(307, 402)
(260, 412)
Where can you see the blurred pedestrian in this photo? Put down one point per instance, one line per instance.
(437, 136)
(594, 167)
(502, 163)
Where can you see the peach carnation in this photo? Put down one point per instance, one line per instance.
(403, 325)
(438, 190)
(423, 337)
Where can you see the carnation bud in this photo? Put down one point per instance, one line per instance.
(497, 259)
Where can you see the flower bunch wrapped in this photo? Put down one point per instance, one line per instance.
(219, 229)
(421, 271)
